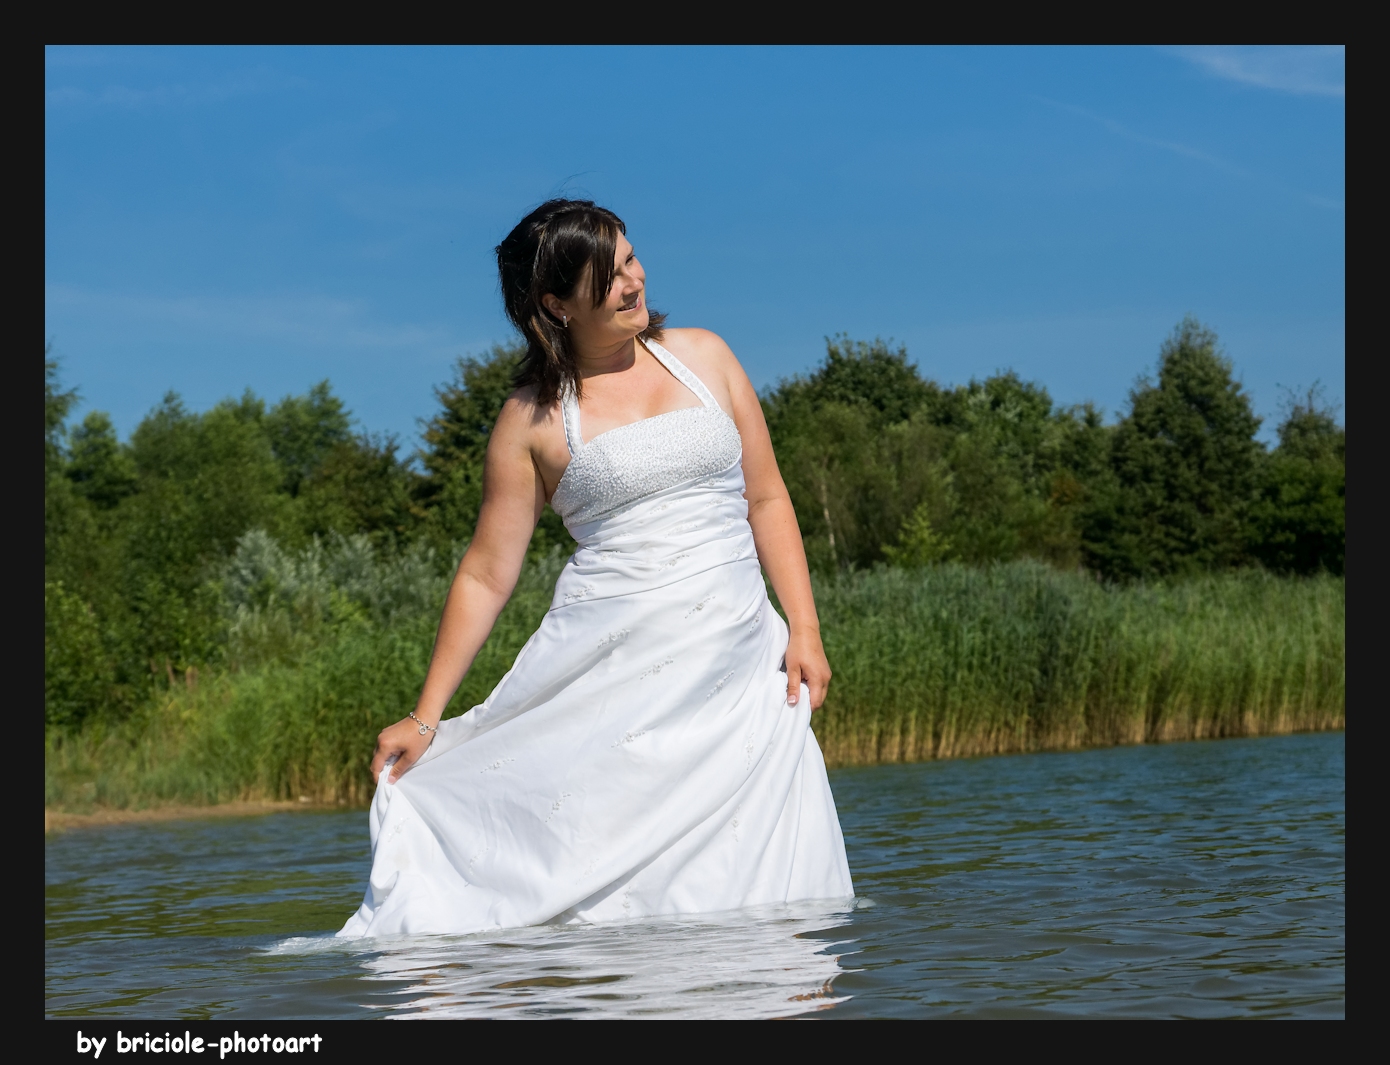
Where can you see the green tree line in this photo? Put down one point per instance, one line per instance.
(887, 467)
(155, 547)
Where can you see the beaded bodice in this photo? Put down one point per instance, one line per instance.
(624, 465)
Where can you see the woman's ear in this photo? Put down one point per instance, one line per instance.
(553, 305)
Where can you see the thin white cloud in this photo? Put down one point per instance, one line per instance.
(1187, 151)
(1306, 70)
(126, 97)
(1121, 130)
(316, 321)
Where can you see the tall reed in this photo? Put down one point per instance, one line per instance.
(936, 663)
(951, 661)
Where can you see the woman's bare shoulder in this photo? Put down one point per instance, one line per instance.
(689, 338)
(522, 417)
(703, 348)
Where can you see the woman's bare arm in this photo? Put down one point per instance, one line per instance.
(770, 513)
(513, 496)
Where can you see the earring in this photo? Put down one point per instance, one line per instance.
(566, 319)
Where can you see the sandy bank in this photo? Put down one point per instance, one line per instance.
(60, 820)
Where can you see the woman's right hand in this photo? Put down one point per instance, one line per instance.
(403, 740)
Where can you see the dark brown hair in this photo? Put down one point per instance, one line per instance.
(547, 253)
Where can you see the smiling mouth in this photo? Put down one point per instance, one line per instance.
(632, 304)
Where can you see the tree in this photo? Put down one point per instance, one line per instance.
(1185, 466)
(855, 463)
(1300, 516)
(304, 430)
(56, 405)
(1008, 458)
(837, 482)
(919, 544)
(360, 485)
(64, 510)
(101, 470)
(77, 670)
(205, 480)
(854, 373)
(877, 460)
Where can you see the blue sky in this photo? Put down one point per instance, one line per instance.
(224, 218)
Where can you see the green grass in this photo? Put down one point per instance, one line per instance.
(935, 663)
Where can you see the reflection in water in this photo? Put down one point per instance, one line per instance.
(750, 964)
(1189, 880)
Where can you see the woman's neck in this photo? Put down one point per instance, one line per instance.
(613, 359)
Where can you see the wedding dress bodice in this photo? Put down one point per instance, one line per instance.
(627, 464)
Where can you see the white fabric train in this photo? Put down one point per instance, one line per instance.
(640, 757)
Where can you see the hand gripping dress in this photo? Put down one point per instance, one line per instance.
(640, 757)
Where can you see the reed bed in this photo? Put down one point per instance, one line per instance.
(953, 662)
(937, 663)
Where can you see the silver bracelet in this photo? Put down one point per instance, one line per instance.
(425, 730)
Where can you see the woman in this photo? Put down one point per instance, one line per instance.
(650, 750)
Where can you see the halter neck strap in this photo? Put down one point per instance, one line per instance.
(682, 373)
(569, 411)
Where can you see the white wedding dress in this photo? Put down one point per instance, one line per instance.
(640, 757)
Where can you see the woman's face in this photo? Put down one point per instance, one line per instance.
(620, 317)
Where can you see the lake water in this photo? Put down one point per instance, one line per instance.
(1187, 880)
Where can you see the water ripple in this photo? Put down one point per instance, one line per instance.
(1191, 880)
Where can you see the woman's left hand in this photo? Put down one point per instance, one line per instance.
(403, 742)
(807, 664)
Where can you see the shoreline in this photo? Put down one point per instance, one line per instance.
(100, 817)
